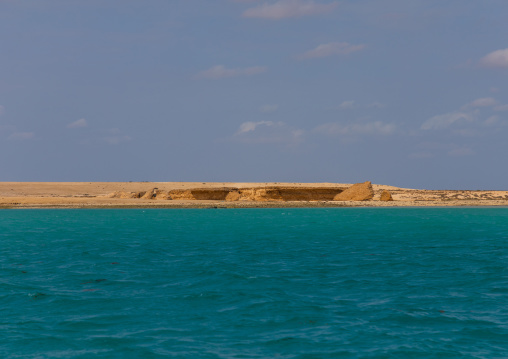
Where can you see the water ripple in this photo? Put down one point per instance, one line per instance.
(299, 283)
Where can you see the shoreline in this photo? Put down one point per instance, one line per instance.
(230, 205)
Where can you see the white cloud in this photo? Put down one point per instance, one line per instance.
(467, 132)
(269, 108)
(446, 120)
(333, 48)
(473, 119)
(269, 132)
(251, 126)
(495, 122)
(460, 151)
(288, 9)
(220, 71)
(492, 120)
(483, 102)
(114, 136)
(22, 136)
(297, 133)
(501, 108)
(496, 59)
(115, 140)
(78, 124)
(368, 128)
(346, 105)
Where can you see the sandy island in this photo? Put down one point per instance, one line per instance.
(232, 195)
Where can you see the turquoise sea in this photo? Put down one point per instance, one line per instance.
(254, 283)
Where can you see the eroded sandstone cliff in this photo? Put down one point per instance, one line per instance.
(231, 194)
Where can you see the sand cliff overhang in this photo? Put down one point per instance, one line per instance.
(230, 194)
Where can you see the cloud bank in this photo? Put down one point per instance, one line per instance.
(368, 128)
(332, 48)
(269, 132)
(446, 120)
(483, 102)
(496, 59)
(346, 105)
(220, 72)
(473, 119)
(78, 124)
(288, 9)
(251, 126)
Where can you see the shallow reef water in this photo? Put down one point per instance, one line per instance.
(254, 283)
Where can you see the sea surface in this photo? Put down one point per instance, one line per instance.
(254, 283)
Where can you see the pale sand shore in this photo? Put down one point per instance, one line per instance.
(95, 195)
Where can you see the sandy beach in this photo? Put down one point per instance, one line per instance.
(225, 195)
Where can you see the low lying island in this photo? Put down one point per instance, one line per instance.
(232, 195)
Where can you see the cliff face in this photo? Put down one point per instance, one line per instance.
(231, 194)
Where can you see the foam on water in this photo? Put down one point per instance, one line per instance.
(254, 283)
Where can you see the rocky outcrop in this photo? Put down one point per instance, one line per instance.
(125, 195)
(268, 194)
(259, 194)
(162, 195)
(283, 194)
(357, 192)
(233, 196)
(309, 194)
(151, 194)
(386, 196)
(181, 194)
(210, 194)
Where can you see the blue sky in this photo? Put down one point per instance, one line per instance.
(406, 93)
